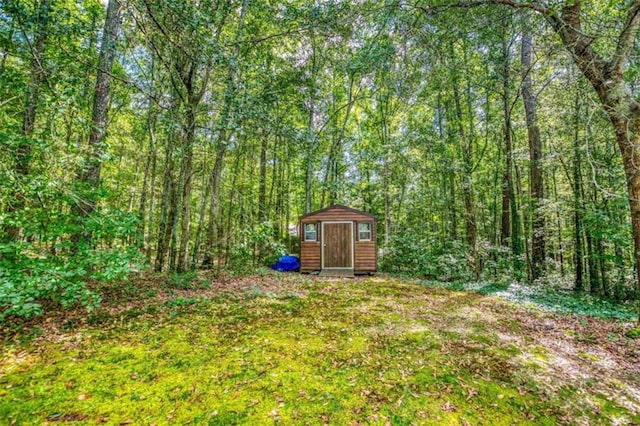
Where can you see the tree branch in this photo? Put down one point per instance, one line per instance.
(626, 39)
(468, 4)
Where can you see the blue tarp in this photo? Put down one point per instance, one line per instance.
(287, 263)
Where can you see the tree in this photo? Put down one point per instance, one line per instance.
(536, 184)
(89, 176)
(605, 70)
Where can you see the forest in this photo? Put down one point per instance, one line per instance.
(495, 140)
(158, 156)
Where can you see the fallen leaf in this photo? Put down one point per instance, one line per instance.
(448, 407)
(471, 392)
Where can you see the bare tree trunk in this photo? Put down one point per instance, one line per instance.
(182, 264)
(214, 211)
(165, 227)
(262, 188)
(535, 159)
(201, 226)
(89, 177)
(311, 136)
(148, 179)
(507, 180)
(559, 255)
(577, 201)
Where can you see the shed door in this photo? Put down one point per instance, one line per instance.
(337, 241)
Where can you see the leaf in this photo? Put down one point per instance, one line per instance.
(471, 392)
(448, 407)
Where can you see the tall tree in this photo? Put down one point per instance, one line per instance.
(225, 127)
(536, 184)
(89, 176)
(507, 179)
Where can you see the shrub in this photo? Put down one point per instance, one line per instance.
(256, 246)
(45, 270)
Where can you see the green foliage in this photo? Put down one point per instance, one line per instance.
(634, 333)
(184, 281)
(26, 283)
(181, 302)
(31, 278)
(391, 110)
(258, 246)
(551, 299)
(409, 252)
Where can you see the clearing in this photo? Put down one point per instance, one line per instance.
(294, 349)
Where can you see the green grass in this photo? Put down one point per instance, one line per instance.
(375, 351)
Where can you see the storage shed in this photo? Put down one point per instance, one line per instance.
(338, 240)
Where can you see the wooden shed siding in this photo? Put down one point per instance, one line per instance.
(365, 252)
(310, 257)
(365, 256)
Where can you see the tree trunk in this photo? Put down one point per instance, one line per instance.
(507, 179)
(577, 201)
(201, 224)
(536, 185)
(226, 118)
(336, 150)
(182, 264)
(262, 186)
(559, 253)
(165, 227)
(148, 180)
(594, 279)
(311, 136)
(467, 181)
(89, 177)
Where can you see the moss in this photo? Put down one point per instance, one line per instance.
(634, 333)
(589, 357)
(375, 352)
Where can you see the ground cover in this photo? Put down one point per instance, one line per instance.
(291, 349)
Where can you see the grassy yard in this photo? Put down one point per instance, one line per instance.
(292, 349)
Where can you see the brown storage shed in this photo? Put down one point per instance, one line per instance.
(338, 239)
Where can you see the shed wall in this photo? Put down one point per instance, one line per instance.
(365, 252)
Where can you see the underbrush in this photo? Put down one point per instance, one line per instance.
(59, 259)
(550, 299)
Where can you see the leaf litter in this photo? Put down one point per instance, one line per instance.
(373, 350)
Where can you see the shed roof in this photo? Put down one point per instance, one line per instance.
(337, 206)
